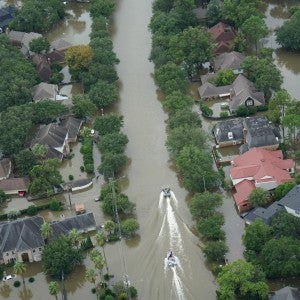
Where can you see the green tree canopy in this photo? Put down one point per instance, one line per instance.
(170, 78)
(282, 189)
(185, 116)
(60, 255)
(203, 205)
(191, 48)
(256, 235)
(195, 165)
(53, 288)
(102, 8)
(210, 227)
(112, 163)
(281, 258)
(215, 251)
(224, 77)
(24, 161)
(213, 14)
(122, 202)
(113, 143)
(39, 45)
(129, 227)
(177, 101)
(109, 123)
(242, 280)
(83, 107)
(288, 34)
(259, 197)
(183, 136)
(103, 94)
(78, 57)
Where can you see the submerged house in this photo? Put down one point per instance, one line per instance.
(7, 14)
(21, 240)
(258, 168)
(229, 60)
(44, 91)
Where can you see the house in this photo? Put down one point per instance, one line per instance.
(260, 132)
(5, 168)
(229, 132)
(252, 132)
(229, 60)
(57, 136)
(43, 91)
(286, 293)
(14, 186)
(55, 56)
(22, 40)
(241, 92)
(7, 14)
(60, 45)
(224, 35)
(83, 223)
(43, 66)
(21, 240)
(258, 168)
(291, 201)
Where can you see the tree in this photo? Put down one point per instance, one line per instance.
(177, 101)
(39, 151)
(102, 8)
(242, 280)
(213, 14)
(113, 143)
(210, 227)
(288, 34)
(256, 235)
(24, 162)
(112, 163)
(83, 107)
(90, 276)
(163, 5)
(60, 255)
(192, 48)
(45, 177)
(123, 204)
(108, 123)
(224, 77)
(53, 288)
(170, 78)
(195, 165)
(103, 94)
(282, 189)
(238, 11)
(74, 237)
(281, 258)
(3, 198)
(215, 251)
(203, 205)
(129, 227)
(39, 45)
(185, 116)
(254, 29)
(78, 57)
(46, 231)
(264, 74)
(259, 197)
(20, 269)
(110, 227)
(183, 136)
(101, 240)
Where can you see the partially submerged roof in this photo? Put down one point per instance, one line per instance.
(60, 44)
(208, 90)
(12, 184)
(229, 60)
(235, 126)
(286, 293)
(73, 126)
(43, 91)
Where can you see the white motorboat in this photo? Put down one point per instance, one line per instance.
(171, 259)
(166, 192)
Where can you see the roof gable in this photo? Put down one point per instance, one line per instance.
(229, 60)
(292, 199)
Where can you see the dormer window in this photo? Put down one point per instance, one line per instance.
(230, 135)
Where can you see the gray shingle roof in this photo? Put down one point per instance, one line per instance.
(208, 90)
(292, 198)
(73, 125)
(286, 293)
(222, 129)
(229, 60)
(44, 90)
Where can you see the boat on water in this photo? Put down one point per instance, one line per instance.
(171, 259)
(166, 192)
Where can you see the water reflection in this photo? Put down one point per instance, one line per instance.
(25, 293)
(5, 290)
(289, 60)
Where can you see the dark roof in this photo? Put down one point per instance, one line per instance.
(73, 125)
(292, 198)
(55, 56)
(53, 153)
(266, 214)
(6, 15)
(208, 90)
(43, 66)
(229, 60)
(52, 135)
(21, 234)
(81, 223)
(222, 129)
(286, 293)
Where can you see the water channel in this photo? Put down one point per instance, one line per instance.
(164, 224)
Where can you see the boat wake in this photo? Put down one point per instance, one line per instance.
(178, 285)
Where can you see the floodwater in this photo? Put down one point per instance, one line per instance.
(287, 62)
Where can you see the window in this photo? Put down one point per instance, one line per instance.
(249, 102)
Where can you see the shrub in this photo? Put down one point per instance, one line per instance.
(32, 210)
(87, 244)
(215, 251)
(93, 290)
(71, 177)
(31, 279)
(89, 168)
(206, 110)
(13, 214)
(224, 114)
(82, 168)
(244, 111)
(55, 205)
(17, 283)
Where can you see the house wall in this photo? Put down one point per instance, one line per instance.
(293, 212)
(270, 147)
(244, 208)
(230, 143)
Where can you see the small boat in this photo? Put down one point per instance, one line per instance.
(166, 192)
(171, 259)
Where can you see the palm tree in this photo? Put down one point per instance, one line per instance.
(90, 276)
(110, 227)
(53, 288)
(101, 240)
(75, 237)
(46, 231)
(20, 269)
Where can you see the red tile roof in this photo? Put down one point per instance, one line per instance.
(243, 190)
